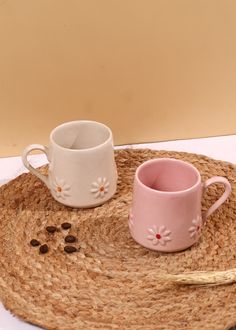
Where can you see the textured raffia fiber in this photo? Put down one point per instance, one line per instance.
(112, 282)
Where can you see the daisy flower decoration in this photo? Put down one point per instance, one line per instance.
(159, 235)
(60, 188)
(100, 187)
(195, 229)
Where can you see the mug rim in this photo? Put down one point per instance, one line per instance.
(52, 140)
(178, 192)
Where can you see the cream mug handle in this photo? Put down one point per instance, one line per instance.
(222, 199)
(25, 153)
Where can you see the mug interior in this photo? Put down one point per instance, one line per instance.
(168, 175)
(79, 135)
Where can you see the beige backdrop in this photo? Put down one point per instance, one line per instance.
(150, 69)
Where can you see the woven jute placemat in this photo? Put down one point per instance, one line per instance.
(111, 282)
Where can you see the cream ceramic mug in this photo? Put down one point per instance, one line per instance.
(166, 211)
(82, 169)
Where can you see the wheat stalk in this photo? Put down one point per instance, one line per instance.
(201, 277)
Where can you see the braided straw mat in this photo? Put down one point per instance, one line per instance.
(111, 282)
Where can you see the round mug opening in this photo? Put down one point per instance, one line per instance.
(80, 135)
(168, 175)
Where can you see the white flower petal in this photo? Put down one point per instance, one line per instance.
(94, 190)
(166, 233)
(97, 194)
(151, 237)
(55, 182)
(95, 185)
(151, 231)
(100, 181)
(162, 242)
(194, 222)
(193, 234)
(162, 229)
(106, 184)
(191, 229)
(66, 187)
(57, 193)
(131, 224)
(155, 241)
(60, 182)
(102, 193)
(166, 239)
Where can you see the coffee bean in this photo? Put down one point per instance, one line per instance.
(70, 239)
(43, 248)
(70, 249)
(34, 242)
(51, 229)
(66, 225)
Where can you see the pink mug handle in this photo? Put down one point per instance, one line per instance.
(222, 199)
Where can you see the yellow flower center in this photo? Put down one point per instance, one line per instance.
(59, 189)
(102, 189)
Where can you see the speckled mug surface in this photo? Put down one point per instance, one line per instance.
(166, 210)
(82, 169)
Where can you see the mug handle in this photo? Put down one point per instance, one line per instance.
(25, 153)
(222, 199)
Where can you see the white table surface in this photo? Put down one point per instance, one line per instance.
(222, 148)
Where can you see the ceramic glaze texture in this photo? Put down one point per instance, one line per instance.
(82, 169)
(166, 211)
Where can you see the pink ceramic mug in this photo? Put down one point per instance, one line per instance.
(166, 211)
